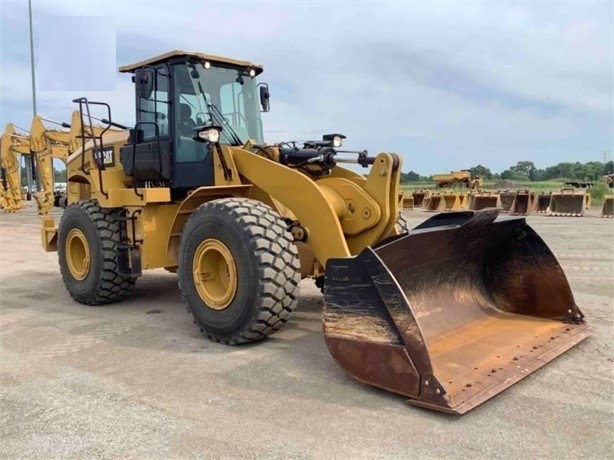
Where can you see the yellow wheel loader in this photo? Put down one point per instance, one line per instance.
(447, 314)
(12, 145)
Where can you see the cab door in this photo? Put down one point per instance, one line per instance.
(193, 160)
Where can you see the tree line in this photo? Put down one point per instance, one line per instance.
(526, 171)
(523, 170)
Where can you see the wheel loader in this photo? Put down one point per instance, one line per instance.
(447, 314)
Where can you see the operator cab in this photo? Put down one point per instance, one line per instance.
(179, 94)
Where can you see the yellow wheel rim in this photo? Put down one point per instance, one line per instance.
(77, 254)
(215, 274)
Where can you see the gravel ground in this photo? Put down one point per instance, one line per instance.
(137, 379)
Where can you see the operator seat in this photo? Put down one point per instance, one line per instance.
(187, 124)
(188, 150)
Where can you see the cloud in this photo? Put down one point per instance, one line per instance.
(448, 84)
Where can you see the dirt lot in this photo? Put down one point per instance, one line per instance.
(137, 379)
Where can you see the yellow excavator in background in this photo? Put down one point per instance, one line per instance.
(448, 314)
(3, 184)
(13, 144)
(46, 144)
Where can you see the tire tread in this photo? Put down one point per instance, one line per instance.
(113, 286)
(278, 265)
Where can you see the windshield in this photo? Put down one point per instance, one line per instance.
(222, 96)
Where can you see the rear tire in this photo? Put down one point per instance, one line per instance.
(238, 270)
(88, 237)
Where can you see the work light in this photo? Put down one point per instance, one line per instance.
(210, 134)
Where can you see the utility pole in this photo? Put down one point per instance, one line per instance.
(29, 161)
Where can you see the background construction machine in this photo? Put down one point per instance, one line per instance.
(460, 178)
(448, 314)
(47, 144)
(3, 183)
(13, 145)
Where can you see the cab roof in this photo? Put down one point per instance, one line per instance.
(200, 56)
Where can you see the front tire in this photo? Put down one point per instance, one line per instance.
(238, 270)
(88, 239)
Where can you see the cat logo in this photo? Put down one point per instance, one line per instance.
(106, 155)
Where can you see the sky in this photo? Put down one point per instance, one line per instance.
(446, 84)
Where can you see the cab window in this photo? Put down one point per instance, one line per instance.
(155, 108)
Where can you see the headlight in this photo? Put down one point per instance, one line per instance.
(252, 73)
(210, 134)
(336, 140)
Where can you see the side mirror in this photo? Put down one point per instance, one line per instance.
(264, 96)
(144, 81)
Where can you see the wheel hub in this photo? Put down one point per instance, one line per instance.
(77, 254)
(215, 274)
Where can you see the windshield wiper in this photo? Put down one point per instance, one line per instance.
(235, 138)
(220, 118)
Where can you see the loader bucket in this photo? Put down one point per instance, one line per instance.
(407, 203)
(543, 200)
(570, 203)
(451, 313)
(418, 196)
(506, 199)
(524, 203)
(436, 202)
(608, 206)
(452, 201)
(484, 200)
